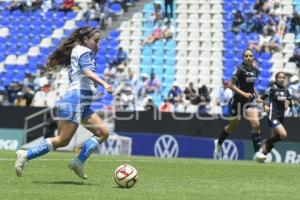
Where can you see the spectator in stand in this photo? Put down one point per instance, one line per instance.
(68, 5)
(167, 106)
(3, 96)
(169, 3)
(110, 73)
(274, 44)
(12, 91)
(101, 5)
(175, 94)
(168, 30)
(155, 35)
(47, 5)
(295, 23)
(296, 56)
(238, 21)
(204, 99)
(121, 57)
(256, 24)
(20, 100)
(150, 106)
(191, 94)
(157, 16)
(127, 99)
(28, 95)
(225, 95)
(121, 73)
(153, 85)
(142, 87)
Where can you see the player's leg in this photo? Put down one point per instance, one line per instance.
(94, 124)
(66, 130)
(234, 110)
(252, 114)
(278, 134)
(230, 128)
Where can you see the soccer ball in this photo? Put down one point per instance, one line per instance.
(126, 176)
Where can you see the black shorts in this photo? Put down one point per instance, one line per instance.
(275, 122)
(237, 108)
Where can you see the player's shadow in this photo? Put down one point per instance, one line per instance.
(62, 183)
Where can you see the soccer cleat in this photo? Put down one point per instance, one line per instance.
(77, 166)
(20, 162)
(260, 157)
(218, 150)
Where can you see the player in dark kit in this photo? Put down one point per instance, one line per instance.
(278, 96)
(243, 103)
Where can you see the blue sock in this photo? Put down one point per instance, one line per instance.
(40, 149)
(89, 147)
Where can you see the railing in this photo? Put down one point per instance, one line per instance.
(28, 129)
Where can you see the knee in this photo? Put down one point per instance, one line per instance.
(230, 128)
(255, 125)
(103, 133)
(283, 135)
(60, 142)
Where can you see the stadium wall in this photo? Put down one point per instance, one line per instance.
(193, 125)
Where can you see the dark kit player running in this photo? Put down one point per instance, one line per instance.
(244, 104)
(279, 98)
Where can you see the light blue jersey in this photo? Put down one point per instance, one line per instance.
(82, 58)
(74, 105)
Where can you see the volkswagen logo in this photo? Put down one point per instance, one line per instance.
(229, 151)
(166, 146)
(274, 155)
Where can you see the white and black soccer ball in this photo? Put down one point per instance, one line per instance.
(126, 176)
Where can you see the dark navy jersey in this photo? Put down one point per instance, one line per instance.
(277, 97)
(245, 78)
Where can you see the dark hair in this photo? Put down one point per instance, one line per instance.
(278, 73)
(247, 50)
(61, 57)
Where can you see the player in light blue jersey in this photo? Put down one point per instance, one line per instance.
(77, 55)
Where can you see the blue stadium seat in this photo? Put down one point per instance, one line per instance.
(229, 36)
(169, 70)
(146, 69)
(229, 55)
(229, 64)
(158, 45)
(265, 65)
(159, 61)
(35, 41)
(93, 23)
(171, 53)
(31, 68)
(148, 8)
(265, 56)
(80, 24)
(70, 15)
(170, 61)
(2, 57)
(171, 44)
(229, 45)
(265, 74)
(114, 35)
(116, 8)
(158, 69)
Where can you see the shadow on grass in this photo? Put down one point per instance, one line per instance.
(63, 183)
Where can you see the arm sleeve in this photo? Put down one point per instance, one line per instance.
(236, 74)
(86, 62)
(266, 94)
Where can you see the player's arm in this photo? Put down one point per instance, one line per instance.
(87, 66)
(262, 99)
(98, 80)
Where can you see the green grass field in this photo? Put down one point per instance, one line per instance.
(50, 178)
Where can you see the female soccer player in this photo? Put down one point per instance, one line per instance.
(243, 103)
(278, 97)
(77, 55)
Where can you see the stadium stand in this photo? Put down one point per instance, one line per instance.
(204, 45)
